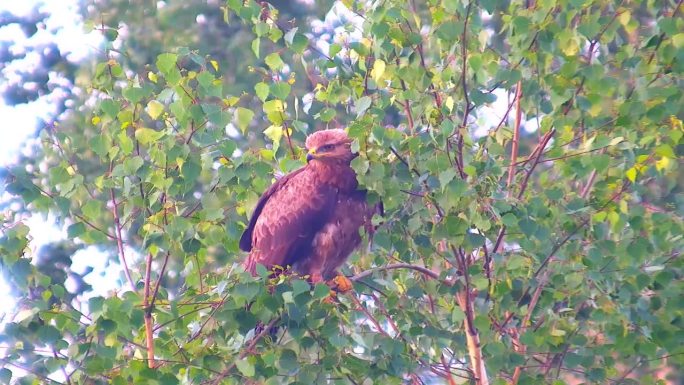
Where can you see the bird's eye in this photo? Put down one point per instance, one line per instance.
(327, 147)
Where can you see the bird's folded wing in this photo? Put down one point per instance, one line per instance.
(285, 220)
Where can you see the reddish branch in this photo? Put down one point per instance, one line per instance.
(161, 275)
(537, 153)
(287, 135)
(147, 304)
(518, 346)
(465, 302)
(540, 150)
(119, 239)
(250, 347)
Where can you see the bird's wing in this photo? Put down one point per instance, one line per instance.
(246, 238)
(285, 220)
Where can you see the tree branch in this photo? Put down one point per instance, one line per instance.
(119, 240)
(149, 333)
(252, 344)
(464, 300)
(395, 266)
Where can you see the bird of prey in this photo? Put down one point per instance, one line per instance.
(309, 220)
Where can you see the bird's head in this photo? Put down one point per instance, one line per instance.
(331, 146)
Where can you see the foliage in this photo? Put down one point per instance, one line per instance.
(507, 255)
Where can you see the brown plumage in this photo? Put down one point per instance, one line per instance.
(309, 219)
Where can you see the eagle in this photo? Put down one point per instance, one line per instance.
(309, 220)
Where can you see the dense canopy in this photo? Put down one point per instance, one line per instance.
(526, 154)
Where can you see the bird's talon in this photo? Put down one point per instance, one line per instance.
(342, 284)
(331, 298)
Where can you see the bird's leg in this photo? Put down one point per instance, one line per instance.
(316, 277)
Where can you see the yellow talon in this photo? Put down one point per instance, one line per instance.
(342, 284)
(331, 298)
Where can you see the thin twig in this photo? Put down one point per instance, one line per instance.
(161, 275)
(29, 370)
(520, 347)
(149, 334)
(661, 37)
(67, 377)
(395, 266)
(246, 351)
(545, 140)
(119, 239)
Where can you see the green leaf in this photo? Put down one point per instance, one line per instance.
(147, 135)
(321, 291)
(245, 367)
(274, 106)
(261, 89)
(528, 226)
(244, 118)
(48, 334)
(110, 107)
(450, 31)
(100, 145)
(125, 143)
(327, 114)
(299, 43)
(509, 219)
(288, 361)
(75, 230)
(451, 6)
(5, 376)
(362, 105)
(256, 45)
(154, 109)
(299, 286)
(631, 174)
(275, 133)
(474, 240)
(131, 165)
(334, 49)
(289, 36)
(378, 70)
(274, 61)
(133, 94)
(280, 90)
(166, 62)
(446, 176)
(191, 170)
(92, 208)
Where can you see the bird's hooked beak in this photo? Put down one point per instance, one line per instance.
(310, 155)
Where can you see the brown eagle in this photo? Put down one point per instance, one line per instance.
(309, 220)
